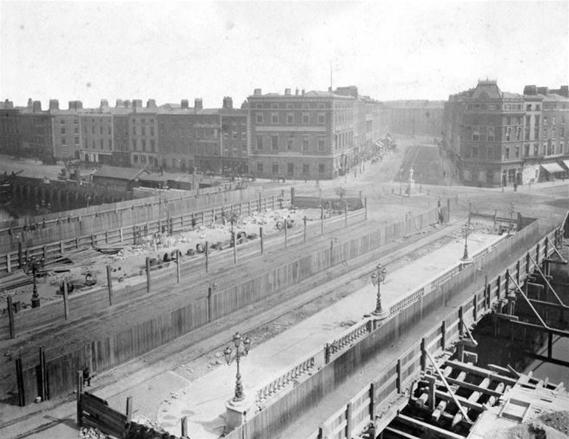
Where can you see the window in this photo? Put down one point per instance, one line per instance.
(518, 133)
(144, 145)
(275, 118)
(259, 168)
(152, 145)
(290, 169)
(320, 145)
(110, 129)
(535, 149)
(491, 134)
(517, 152)
(526, 150)
(321, 119)
(305, 144)
(275, 142)
(151, 131)
(290, 118)
(62, 130)
(507, 153)
(76, 130)
(290, 143)
(507, 132)
(259, 117)
(305, 118)
(321, 168)
(305, 168)
(63, 141)
(537, 107)
(475, 134)
(275, 169)
(135, 158)
(528, 107)
(134, 145)
(259, 142)
(536, 131)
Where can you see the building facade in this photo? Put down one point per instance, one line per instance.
(302, 135)
(500, 138)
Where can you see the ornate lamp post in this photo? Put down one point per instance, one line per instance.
(32, 264)
(466, 229)
(242, 347)
(376, 279)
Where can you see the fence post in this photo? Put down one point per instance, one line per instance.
(178, 273)
(206, 253)
(209, 297)
(261, 237)
(20, 382)
(475, 307)
(120, 234)
(184, 427)
(129, 408)
(321, 220)
(349, 420)
(346, 215)
(372, 401)
(110, 285)
(365, 207)
(11, 316)
(147, 274)
(443, 335)
(304, 233)
(61, 247)
(423, 354)
(460, 322)
(43, 375)
(76, 242)
(20, 256)
(398, 382)
(65, 303)
(8, 263)
(79, 394)
(285, 230)
(44, 253)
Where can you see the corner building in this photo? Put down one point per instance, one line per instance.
(302, 135)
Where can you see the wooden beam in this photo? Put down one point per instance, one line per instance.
(481, 372)
(474, 387)
(554, 331)
(547, 359)
(424, 426)
(400, 433)
(463, 401)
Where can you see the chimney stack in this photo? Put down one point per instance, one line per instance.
(104, 105)
(53, 104)
(257, 92)
(530, 90)
(227, 103)
(296, 92)
(30, 103)
(36, 106)
(198, 104)
(127, 103)
(564, 91)
(185, 104)
(137, 103)
(8, 104)
(119, 103)
(287, 91)
(302, 92)
(151, 103)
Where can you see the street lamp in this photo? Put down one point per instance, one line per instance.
(34, 265)
(467, 227)
(241, 350)
(376, 279)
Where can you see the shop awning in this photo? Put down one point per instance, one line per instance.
(566, 163)
(552, 168)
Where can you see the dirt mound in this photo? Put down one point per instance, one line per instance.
(558, 420)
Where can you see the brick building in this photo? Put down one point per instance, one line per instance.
(233, 139)
(97, 129)
(66, 129)
(10, 130)
(143, 135)
(302, 135)
(500, 138)
(414, 117)
(35, 126)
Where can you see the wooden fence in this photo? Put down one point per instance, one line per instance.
(133, 337)
(273, 420)
(111, 235)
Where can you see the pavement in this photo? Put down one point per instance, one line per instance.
(203, 401)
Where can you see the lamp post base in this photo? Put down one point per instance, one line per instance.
(380, 315)
(35, 302)
(236, 413)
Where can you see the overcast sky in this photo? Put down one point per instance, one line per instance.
(169, 51)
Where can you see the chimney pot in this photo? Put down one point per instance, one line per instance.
(198, 104)
(53, 104)
(228, 103)
(36, 106)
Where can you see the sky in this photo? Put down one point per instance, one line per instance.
(168, 51)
